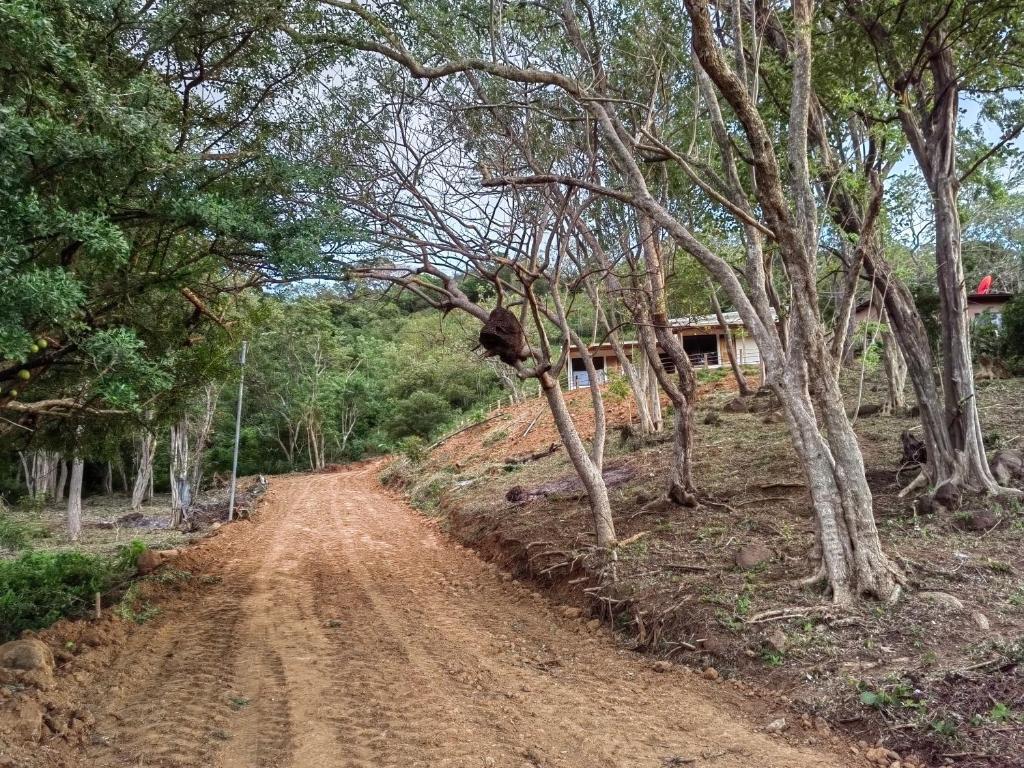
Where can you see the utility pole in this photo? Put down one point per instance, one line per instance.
(238, 431)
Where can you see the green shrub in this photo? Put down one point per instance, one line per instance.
(618, 387)
(711, 375)
(128, 555)
(1013, 327)
(420, 414)
(38, 588)
(987, 338)
(397, 474)
(414, 448)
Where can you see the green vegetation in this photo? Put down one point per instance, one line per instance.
(16, 535)
(38, 588)
(334, 377)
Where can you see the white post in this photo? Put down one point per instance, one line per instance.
(238, 432)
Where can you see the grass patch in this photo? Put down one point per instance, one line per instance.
(16, 535)
(38, 588)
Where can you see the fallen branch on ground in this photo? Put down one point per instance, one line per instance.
(781, 614)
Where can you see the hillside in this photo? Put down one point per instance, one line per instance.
(934, 676)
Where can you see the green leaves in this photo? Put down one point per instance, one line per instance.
(32, 298)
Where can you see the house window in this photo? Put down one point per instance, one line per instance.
(580, 377)
(702, 349)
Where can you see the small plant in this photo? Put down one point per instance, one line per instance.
(743, 601)
(128, 555)
(772, 657)
(32, 506)
(1016, 598)
(945, 728)
(618, 387)
(414, 448)
(895, 695)
(238, 703)
(133, 608)
(170, 576)
(1001, 713)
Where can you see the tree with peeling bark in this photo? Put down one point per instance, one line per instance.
(144, 451)
(929, 54)
(431, 230)
(568, 72)
(75, 498)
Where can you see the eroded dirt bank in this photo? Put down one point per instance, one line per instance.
(346, 631)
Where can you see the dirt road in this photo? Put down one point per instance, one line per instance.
(345, 631)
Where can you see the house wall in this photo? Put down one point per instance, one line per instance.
(747, 351)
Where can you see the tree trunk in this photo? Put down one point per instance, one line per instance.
(75, 498)
(145, 447)
(844, 323)
(652, 392)
(589, 474)
(633, 378)
(62, 481)
(181, 490)
(202, 438)
(596, 398)
(895, 372)
(108, 480)
(730, 345)
(654, 333)
(848, 542)
(961, 401)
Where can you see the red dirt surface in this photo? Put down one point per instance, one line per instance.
(524, 428)
(342, 629)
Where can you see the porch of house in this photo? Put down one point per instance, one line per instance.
(706, 350)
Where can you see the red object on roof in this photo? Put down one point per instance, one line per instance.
(985, 285)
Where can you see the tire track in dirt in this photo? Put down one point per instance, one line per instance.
(346, 631)
(174, 712)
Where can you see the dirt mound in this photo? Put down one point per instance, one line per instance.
(527, 427)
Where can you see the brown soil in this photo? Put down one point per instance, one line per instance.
(518, 430)
(941, 683)
(342, 629)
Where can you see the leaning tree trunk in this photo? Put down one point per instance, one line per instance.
(589, 474)
(905, 323)
(145, 447)
(895, 372)
(961, 401)
(651, 319)
(75, 498)
(596, 398)
(730, 345)
(181, 489)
